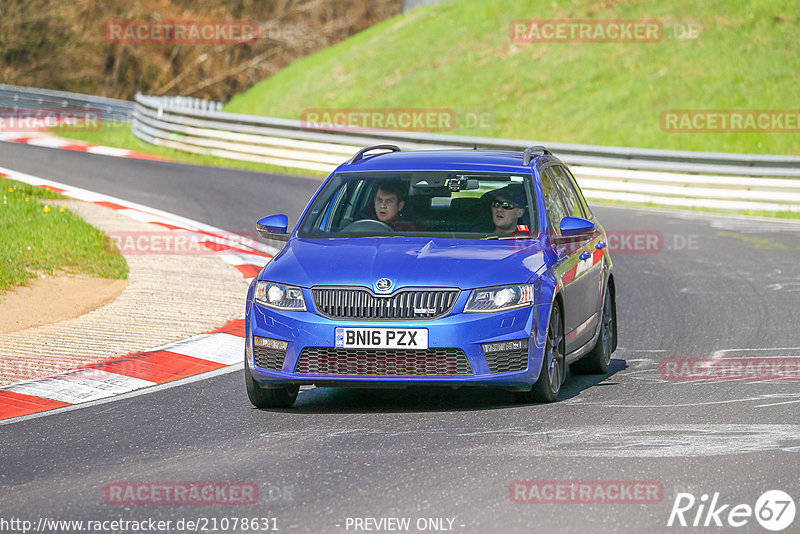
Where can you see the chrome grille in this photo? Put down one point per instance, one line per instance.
(267, 358)
(383, 362)
(361, 303)
(507, 361)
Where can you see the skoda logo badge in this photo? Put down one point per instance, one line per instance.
(383, 285)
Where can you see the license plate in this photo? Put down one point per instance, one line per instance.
(382, 338)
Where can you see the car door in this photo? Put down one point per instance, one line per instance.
(567, 258)
(588, 277)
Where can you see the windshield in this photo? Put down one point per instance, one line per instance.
(436, 204)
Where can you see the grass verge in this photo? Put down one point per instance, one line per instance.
(40, 236)
(460, 56)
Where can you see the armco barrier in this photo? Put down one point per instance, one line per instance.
(111, 109)
(681, 178)
(159, 112)
(666, 177)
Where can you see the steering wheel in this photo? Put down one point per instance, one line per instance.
(367, 225)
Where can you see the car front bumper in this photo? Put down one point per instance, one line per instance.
(461, 331)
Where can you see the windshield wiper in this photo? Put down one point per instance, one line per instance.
(506, 237)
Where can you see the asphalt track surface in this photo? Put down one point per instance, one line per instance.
(718, 284)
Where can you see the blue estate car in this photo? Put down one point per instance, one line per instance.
(441, 268)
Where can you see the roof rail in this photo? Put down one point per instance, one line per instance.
(360, 154)
(526, 156)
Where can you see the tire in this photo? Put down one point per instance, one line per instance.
(597, 360)
(553, 371)
(268, 398)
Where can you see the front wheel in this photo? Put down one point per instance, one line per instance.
(268, 398)
(596, 362)
(553, 371)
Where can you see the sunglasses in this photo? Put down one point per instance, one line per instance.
(504, 204)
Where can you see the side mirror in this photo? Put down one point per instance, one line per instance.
(573, 226)
(273, 227)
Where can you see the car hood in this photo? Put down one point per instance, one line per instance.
(406, 261)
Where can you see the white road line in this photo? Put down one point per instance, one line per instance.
(242, 259)
(79, 386)
(599, 441)
(221, 348)
(107, 151)
(175, 383)
(724, 353)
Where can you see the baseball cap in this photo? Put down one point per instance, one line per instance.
(513, 193)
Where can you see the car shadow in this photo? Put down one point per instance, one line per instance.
(575, 384)
(323, 400)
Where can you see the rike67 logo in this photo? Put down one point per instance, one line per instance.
(774, 510)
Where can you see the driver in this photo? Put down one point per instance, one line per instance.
(388, 204)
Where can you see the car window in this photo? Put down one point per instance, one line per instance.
(571, 202)
(569, 188)
(330, 210)
(574, 183)
(552, 202)
(436, 203)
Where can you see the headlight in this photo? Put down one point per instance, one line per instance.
(493, 299)
(280, 296)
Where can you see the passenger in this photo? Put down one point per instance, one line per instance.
(508, 207)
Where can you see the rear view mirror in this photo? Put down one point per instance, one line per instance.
(462, 183)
